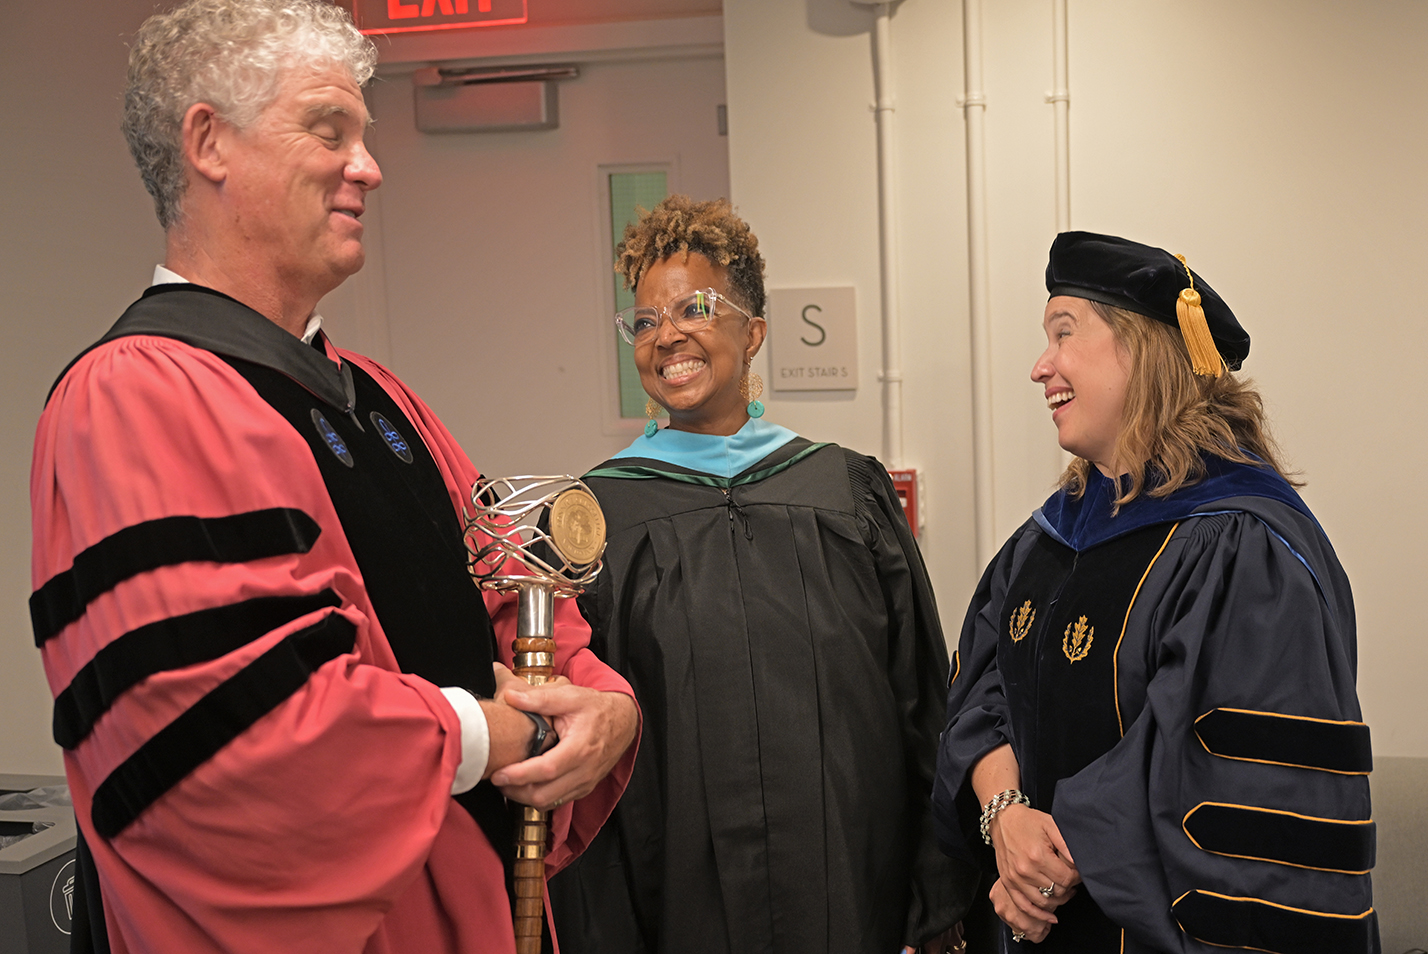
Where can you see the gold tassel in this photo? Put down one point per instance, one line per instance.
(1205, 358)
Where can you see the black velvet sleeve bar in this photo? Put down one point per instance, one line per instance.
(1277, 738)
(168, 541)
(1258, 925)
(1258, 834)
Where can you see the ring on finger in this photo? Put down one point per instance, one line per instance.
(1046, 892)
(1018, 935)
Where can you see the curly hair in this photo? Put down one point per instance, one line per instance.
(680, 225)
(230, 54)
(1172, 416)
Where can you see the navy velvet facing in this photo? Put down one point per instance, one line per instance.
(1083, 522)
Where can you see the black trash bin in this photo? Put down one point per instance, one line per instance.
(37, 874)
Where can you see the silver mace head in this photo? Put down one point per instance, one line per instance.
(552, 527)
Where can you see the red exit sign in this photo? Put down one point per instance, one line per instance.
(410, 16)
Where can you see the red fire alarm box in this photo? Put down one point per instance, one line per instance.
(905, 482)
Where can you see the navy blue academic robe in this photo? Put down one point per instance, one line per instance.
(1177, 682)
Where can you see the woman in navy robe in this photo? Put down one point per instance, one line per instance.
(1152, 719)
(765, 598)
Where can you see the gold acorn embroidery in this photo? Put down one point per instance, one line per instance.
(1020, 623)
(1076, 641)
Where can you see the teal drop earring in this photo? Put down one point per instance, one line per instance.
(654, 410)
(751, 388)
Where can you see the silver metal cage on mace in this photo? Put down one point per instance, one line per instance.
(543, 538)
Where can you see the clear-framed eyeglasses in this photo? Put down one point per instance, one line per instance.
(689, 314)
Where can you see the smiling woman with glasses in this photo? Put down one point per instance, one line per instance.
(765, 598)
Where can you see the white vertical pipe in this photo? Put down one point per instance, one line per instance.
(1060, 99)
(974, 104)
(885, 109)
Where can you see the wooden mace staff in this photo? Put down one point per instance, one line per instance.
(554, 531)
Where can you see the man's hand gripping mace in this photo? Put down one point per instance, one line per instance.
(557, 556)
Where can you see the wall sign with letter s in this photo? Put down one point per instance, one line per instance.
(813, 339)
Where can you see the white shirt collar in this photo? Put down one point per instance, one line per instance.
(165, 276)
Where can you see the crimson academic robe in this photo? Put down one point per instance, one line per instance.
(1177, 682)
(249, 585)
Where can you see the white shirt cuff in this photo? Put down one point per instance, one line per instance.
(475, 739)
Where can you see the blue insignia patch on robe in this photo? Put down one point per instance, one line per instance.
(393, 437)
(334, 440)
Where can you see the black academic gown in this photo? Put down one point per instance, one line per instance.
(780, 633)
(1177, 682)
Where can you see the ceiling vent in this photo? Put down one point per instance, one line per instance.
(488, 99)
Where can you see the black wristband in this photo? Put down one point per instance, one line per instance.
(544, 733)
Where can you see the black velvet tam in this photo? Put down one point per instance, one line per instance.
(1142, 279)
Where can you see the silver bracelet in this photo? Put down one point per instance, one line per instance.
(1011, 796)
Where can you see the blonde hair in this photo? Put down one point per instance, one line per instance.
(1172, 416)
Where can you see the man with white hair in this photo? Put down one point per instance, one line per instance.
(285, 722)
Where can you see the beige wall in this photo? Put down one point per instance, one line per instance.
(79, 243)
(802, 165)
(1278, 145)
(1302, 192)
(490, 240)
(1299, 195)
